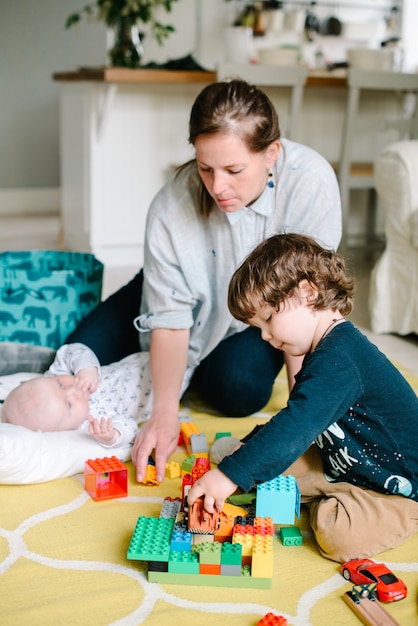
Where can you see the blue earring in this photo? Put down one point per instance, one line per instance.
(270, 181)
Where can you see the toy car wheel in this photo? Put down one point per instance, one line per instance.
(346, 574)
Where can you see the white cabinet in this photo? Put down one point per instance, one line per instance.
(119, 143)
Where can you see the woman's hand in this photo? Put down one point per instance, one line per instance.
(159, 434)
(216, 487)
(168, 361)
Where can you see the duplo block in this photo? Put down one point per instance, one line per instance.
(262, 557)
(183, 563)
(291, 536)
(272, 620)
(170, 508)
(105, 479)
(231, 554)
(151, 539)
(279, 499)
(209, 552)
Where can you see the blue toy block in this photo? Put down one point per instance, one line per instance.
(181, 540)
(279, 499)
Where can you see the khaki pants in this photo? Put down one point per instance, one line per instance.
(350, 522)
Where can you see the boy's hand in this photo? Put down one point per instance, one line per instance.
(216, 487)
(103, 430)
(87, 379)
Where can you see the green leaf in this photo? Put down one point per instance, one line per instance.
(72, 19)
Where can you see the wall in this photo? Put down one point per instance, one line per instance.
(33, 45)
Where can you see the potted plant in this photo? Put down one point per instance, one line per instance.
(124, 17)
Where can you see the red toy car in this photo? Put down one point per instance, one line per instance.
(364, 571)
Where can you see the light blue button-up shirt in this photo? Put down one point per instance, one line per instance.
(189, 259)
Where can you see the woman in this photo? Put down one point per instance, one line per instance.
(244, 185)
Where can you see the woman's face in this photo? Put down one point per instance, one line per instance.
(233, 176)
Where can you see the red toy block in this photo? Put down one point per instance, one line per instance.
(200, 467)
(272, 620)
(105, 479)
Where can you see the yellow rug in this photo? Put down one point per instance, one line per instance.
(63, 560)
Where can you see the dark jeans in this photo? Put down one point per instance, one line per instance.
(109, 330)
(236, 378)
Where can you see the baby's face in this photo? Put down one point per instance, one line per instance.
(66, 405)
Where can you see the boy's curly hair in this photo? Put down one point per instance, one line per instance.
(272, 272)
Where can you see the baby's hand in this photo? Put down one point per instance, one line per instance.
(87, 379)
(215, 486)
(103, 430)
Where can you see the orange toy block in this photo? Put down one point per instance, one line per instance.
(226, 526)
(150, 477)
(208, 568)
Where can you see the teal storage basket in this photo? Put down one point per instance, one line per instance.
(44, 294)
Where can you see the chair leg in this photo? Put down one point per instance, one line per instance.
(371, 216)
(371, 223)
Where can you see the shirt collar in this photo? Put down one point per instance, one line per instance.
(262, 206)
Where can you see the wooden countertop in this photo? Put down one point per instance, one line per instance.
(316, 78)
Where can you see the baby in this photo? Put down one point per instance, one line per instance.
(77, 394)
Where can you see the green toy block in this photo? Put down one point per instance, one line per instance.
(220, 435)
(209, 552)
(187, 464)
(183, 563)
(290, 536)
(151, 539)
(242, 499)
(246, 581)
(231, 553)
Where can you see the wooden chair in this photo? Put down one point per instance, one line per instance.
(360, 175)
(290, 77)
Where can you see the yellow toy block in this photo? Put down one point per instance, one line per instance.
(173, 470)
(262, 557)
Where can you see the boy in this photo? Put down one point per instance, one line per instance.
(76, 394)
(360, 476)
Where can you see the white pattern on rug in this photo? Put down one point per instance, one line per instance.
(154, 592)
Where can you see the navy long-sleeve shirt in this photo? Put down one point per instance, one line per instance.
(356, 406)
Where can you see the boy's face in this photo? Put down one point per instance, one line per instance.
(292, 329)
